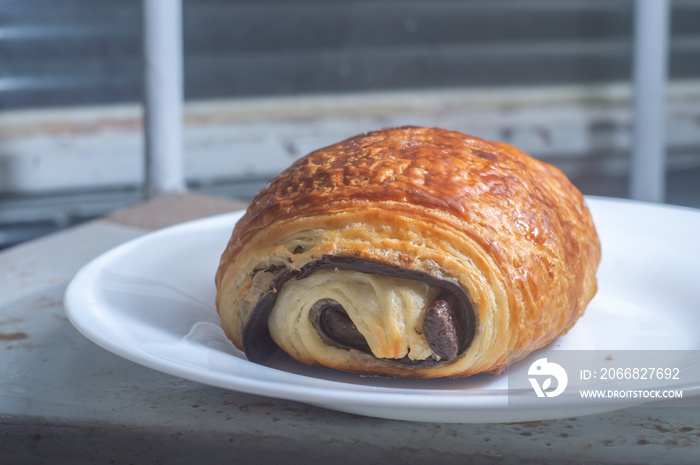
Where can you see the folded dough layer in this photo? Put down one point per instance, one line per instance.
(386, 312)
(414, 252)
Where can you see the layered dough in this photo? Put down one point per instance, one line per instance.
(396, 229)
(387, 311)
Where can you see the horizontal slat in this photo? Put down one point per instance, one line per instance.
(215, 75)
(305, 25)
(80, 52)
(93, 148)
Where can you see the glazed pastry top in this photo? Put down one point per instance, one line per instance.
(439, 170)
(429, 167)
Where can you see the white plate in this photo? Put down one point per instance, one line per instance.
(151, 301)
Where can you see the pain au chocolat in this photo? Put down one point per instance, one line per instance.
(409, 252)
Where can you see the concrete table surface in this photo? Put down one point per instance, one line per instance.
(65, 400)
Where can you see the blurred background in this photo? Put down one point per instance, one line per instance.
(268, 81)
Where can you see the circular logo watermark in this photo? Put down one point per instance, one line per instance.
(545, 371)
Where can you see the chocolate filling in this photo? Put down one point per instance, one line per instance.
(333, 324)
(449, 326)
(441, 330)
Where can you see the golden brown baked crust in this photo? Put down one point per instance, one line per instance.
(510, 231)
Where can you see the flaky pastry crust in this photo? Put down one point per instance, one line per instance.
(457, 212)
